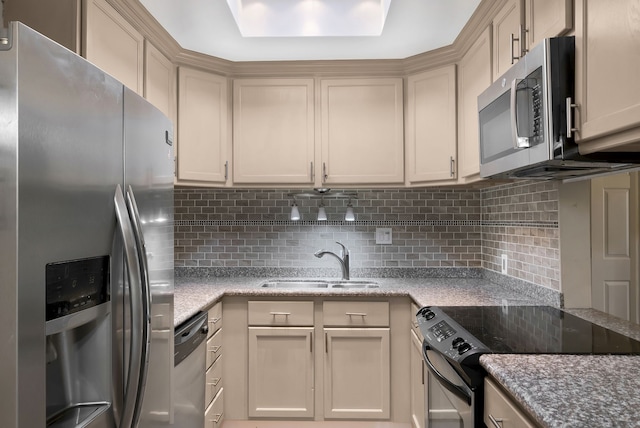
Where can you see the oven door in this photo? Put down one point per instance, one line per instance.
(450, 401)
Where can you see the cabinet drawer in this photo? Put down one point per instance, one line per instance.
(214, 415)
(215, 318)
(214, 381)
(214, 347)
(281, 313)
(356, 314)
(498, 406)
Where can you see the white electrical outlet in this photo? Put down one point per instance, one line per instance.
(384, 235)
(504, 263)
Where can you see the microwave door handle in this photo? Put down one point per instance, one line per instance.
(518, 141)
(455, 389)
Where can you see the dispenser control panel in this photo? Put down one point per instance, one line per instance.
(73, 286)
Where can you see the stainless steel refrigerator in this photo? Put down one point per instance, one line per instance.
(86, 244)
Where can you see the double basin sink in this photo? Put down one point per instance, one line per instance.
(319, 283)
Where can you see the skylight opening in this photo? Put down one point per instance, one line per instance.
(309, 18)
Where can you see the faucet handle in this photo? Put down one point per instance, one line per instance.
(345, 251)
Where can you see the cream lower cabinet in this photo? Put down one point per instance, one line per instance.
(500, 411)
(474, 76)
(361, 128)
(607, 84)
(357, 366)
(431, 127)
(214, 392)
(273, 131)
(281, 359)
(418, 375)
(281, 377)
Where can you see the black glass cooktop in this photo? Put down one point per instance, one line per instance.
(538, 329)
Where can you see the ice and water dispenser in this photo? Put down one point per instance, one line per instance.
(78, 343)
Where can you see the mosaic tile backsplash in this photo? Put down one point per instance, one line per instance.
(431, 228)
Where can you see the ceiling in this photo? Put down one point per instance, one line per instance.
(411, 27)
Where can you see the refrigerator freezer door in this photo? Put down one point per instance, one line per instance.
(149, 182)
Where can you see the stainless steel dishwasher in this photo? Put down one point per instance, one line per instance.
(189, 372)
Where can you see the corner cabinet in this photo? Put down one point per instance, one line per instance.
(607, 84)
(273, 131)
(431, 126)
(203, 129)
(361, 128)
(357, 369)
(474, 76)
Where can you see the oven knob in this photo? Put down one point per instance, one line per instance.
(463, 348)
(457, 342)
(429, 315)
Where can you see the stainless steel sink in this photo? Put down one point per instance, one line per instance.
(318, 283)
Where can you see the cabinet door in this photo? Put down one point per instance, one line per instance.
(547, 18)
(608, 92)
(507, 26)
(281, 378)
(273, 131)
(357, 373)
(159, 81)
(362, 131)
(431, 126)
(113, 44)
(500, 408)
(473, 78)
(418, 407)
(203, 139)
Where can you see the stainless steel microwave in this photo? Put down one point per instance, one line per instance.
(526, 125)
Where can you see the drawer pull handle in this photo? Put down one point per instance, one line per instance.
(217, 419)
(356, 314)
(284, 314)
(215, 349)
(497, 423)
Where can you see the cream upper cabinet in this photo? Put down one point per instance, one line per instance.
(546, 18)
(522, 24)
(474, 76)
(112, 44)
(361, 127)
(507, 29)
(159, 81)
(431, 126)
(607, 63)
(203, 136)
(273, 131)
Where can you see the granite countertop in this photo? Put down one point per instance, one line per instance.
(556, 390)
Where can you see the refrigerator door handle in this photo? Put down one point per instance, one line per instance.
(135, 279)
(146, 299)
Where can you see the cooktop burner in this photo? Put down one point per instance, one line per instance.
(538, 330)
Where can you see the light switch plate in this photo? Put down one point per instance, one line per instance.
(384, 235)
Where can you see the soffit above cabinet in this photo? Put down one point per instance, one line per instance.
(411, 27)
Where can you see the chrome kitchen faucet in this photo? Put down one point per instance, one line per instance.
(343, 258)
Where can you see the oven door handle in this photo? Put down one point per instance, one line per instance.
(455, 389)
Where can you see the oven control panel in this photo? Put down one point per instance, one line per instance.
(443, 334)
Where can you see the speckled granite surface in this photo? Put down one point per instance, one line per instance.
(572, 391)
(195, 294)
(557, 390)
